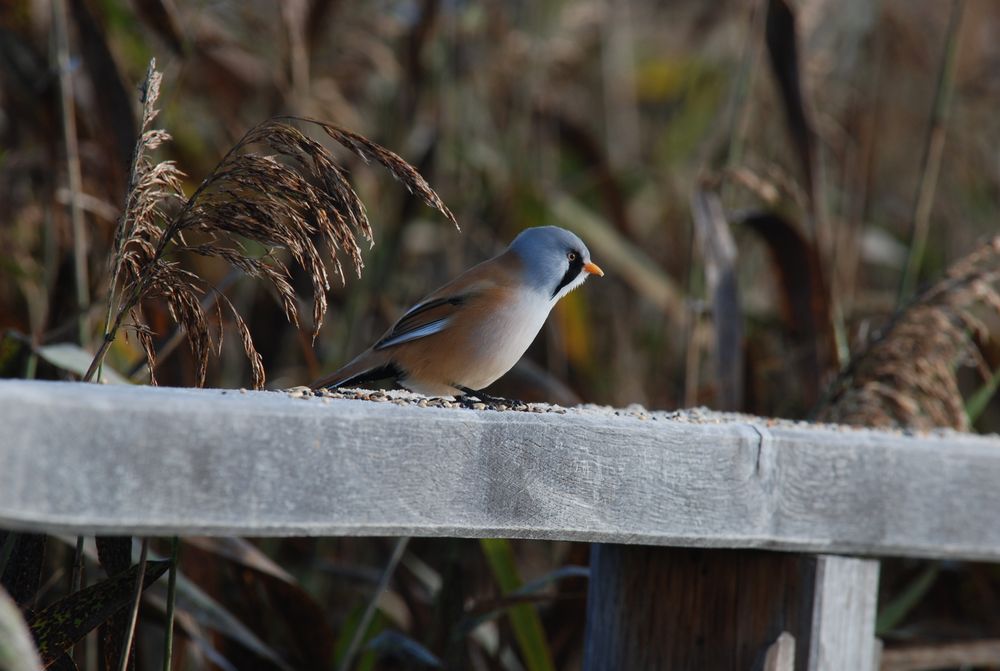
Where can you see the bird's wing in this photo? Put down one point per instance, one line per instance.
(423, 319)
(435, 312)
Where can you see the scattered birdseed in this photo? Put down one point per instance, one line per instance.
(402, 397)
(700, 415)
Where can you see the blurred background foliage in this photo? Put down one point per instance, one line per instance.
(765, 184)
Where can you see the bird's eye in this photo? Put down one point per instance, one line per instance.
(571, 256)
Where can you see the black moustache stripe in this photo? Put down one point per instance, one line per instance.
(575, 268)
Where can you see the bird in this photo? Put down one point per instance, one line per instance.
(465, 335)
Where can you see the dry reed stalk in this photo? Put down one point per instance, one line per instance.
(365, 621)
(295, 199)
(72, 147)
(168, 641)
(933, 150)
(719, 256)
(908, 377)
(123, 663)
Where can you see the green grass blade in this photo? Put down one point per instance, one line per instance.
(208, 613)
(7, 550)
(364, 624)
(168, 637)
(977, 403)
(69, 619)
(896, 610)
(524, 619)
(75, 359)
(366, 658)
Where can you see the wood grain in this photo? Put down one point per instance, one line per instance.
(964, 654)
(678, 608)
(845, 603)
(95, 459)
(781, 655)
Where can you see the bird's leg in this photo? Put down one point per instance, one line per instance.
(466, 401)
(492, 402)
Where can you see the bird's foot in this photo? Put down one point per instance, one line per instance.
(479, 400)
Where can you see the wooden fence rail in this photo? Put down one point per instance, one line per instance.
(89, 459)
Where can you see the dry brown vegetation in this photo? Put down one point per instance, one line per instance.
(296, 200)
(790, 198)
(909, 377)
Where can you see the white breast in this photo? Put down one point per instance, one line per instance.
(506, 337)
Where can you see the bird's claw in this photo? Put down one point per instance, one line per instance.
(478, 400)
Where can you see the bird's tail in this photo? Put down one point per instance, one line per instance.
(367, 366)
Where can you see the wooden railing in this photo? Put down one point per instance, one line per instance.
(715, 490)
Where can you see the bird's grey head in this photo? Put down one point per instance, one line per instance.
(555, 260)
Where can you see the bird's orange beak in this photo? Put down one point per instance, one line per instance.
(593, 269)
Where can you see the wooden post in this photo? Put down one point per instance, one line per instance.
(674, 608)
(844, 606)
(781, 654)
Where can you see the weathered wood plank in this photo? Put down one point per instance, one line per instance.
(963, 654)
(781, 655)
(679, 608)
(845, 602)
(209, 462)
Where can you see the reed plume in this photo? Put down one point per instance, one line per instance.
(908, 377)
(294, 202)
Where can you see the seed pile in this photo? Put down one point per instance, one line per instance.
(635, 411)
(403, 397)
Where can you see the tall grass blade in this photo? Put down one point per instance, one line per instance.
(309, 638)
(981, 398)
(115, 555)
(400, 646)
(527, 594)
(126, 658)
(206, 611)
(194, 605)
(243, 552)
(76, 579)
(63, 623)
(366, 617)
(162, 17)
(524, 619)
(933, 150)
(783, 50)
(23, 572)
(894, 612)
(805, 298)
(718, 250)
(73, 358)
(71, 145)
(168, 638)
(6, 550)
